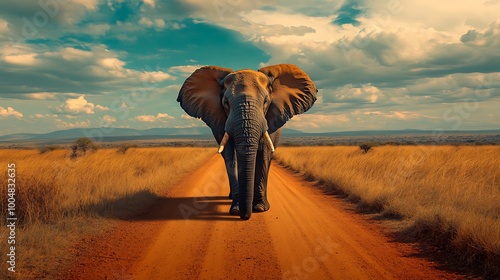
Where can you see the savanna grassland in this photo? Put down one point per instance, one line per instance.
(60, 198)
(451, 194)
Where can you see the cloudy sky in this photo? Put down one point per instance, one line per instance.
(377, 64)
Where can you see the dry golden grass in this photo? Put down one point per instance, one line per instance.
(451, 193)
(59, 199)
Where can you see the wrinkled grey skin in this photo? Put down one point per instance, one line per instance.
(246, 104)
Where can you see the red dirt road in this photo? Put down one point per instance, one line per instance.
(190, 235)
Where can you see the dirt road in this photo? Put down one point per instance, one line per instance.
(190, 235)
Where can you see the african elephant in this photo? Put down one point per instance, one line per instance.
(245, 110)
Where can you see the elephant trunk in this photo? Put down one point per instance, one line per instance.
(246, 132)
(246, 156)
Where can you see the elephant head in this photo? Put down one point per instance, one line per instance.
(242, 108)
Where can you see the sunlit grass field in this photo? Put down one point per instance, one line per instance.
(59, 198)
(450, 193)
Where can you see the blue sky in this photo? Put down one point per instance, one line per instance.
(377, 64)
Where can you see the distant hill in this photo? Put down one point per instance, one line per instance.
(119, 134)
(108, 133)
(401, 132)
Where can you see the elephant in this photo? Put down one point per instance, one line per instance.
(246, 110)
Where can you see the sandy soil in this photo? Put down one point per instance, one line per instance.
(190, 235)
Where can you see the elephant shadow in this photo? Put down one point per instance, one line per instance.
(145, 205)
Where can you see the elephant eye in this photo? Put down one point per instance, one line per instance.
(225, 103)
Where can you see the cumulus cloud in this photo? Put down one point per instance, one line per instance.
(44, 116)
(160, 24)
(10, 112)
(307, 122)
(70, 54)
(89, 4)
(63, 70)
(383, 49)
(150, 3)
(374, 62)
(184, 70)
(160, 117)
(41, 96)
(386, 61)
(156, 76)
(61, 124)
(4, 25)
(101, 108)
(77, 105)
(350, 94)
(80, 105)
(30, 19)
(23, 59)
(107, 119)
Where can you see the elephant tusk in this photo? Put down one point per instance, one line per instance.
(223, 142)
(268, 141)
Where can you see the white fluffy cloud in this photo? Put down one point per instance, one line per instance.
(184, 70)
(159, 23)
(348, 93)
(9, 112)
(4, 26)
(80, 105)
(150, 3)
(23, 59)
(89, 4)
(102, 70)
(20, 54)
(160, 117)
(107, 119)
(186, 117)
(61, 124)
(44, 116)
(398, 64)
(156, 76)
(307, 122)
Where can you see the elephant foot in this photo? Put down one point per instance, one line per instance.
(234, 210)
(261, 207)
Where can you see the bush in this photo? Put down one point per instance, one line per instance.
(125, 146)
(82, 145)
(47, 149)
(392, 143)
(365, 147)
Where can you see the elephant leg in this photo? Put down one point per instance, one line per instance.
(232, 174)
(260, 202)
(263, 164)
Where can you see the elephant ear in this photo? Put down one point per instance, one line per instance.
(293, 93)
(200, 96)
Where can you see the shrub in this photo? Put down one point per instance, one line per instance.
(365, 147)
(125, 146)
(46, 149)
(82, 145)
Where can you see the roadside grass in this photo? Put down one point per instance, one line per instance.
(59, 199)
(451, 194)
